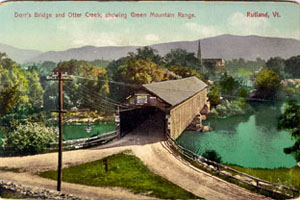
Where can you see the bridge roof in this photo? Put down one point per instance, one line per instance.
(176, 91)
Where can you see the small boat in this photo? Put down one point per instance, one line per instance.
(89, 127)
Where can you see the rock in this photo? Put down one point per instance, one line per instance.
(253, 183)
(226, 173)
(206, 129)
(237, 177)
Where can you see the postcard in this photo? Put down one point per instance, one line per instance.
(149, 100)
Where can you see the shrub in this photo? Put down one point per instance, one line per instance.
(230, 108)
(29, 138)
(212, 155)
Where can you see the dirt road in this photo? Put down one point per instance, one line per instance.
(146, 143)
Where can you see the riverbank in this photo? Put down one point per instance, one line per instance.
(283, 176)
(148, 148)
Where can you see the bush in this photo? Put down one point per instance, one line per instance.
(212, 155)
(230, 108)
(29, 138)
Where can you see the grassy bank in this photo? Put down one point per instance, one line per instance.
(284, 176)
(125, 171)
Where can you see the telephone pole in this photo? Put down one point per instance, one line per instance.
(60, 77)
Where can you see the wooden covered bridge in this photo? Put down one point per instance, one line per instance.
(178, 102)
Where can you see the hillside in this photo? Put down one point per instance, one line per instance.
(223, 46)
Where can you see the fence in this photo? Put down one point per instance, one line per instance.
(258, 184)
(86, 142)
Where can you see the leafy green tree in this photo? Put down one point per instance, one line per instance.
(277, 65)
(138, 71)
(180, 57)
(99, 63)
(214, 96)
(89, 87)
(9, 98)
(29, 138)
(292, 66)
(243, 93)
(114, 65)
(10, 75)
(185, 72)
(228, 84)
(290, 120)
(267, 84)
(147, 53)
(35, 90)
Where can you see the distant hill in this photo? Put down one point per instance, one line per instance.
(232, 46)
(19, 55)
(223, 46)
(88, 53)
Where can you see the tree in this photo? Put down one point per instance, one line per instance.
(138, 71)
(9, 98)
(277, 65)
(35, 91)
(214, 96)
(228, 84)
(147, 53)
(29, 138)
(292, 66)
(290, 120)
(89, 87)
(113, 66)
(267, 84)
(15, 85)
(185, 72)
(180, 57)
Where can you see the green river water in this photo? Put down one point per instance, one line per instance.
(79, 131)
(250, 141)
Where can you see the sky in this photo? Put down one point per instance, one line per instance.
(211, 19)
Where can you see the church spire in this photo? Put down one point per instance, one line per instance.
(199, 52)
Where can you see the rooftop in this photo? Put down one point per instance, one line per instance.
(176, 91)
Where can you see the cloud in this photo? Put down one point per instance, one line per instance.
(152, 38)
(203, 31)
(97, 39)
(242, 24)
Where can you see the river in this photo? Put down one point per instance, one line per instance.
(250, 140)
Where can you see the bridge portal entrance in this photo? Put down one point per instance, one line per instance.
(151, 119)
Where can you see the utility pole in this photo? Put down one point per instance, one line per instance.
(60, 77)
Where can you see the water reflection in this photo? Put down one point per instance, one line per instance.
(221, 124)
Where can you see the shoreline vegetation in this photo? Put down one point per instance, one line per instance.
(283, 176)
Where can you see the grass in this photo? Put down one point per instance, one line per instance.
(125, 171)
(10, 169)
(284, 176)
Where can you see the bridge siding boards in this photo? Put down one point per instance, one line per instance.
(183, 114)
(181, 101)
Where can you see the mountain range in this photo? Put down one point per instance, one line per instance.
(223, 46)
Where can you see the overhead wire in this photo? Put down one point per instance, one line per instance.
(85, 95)
(179, 90)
